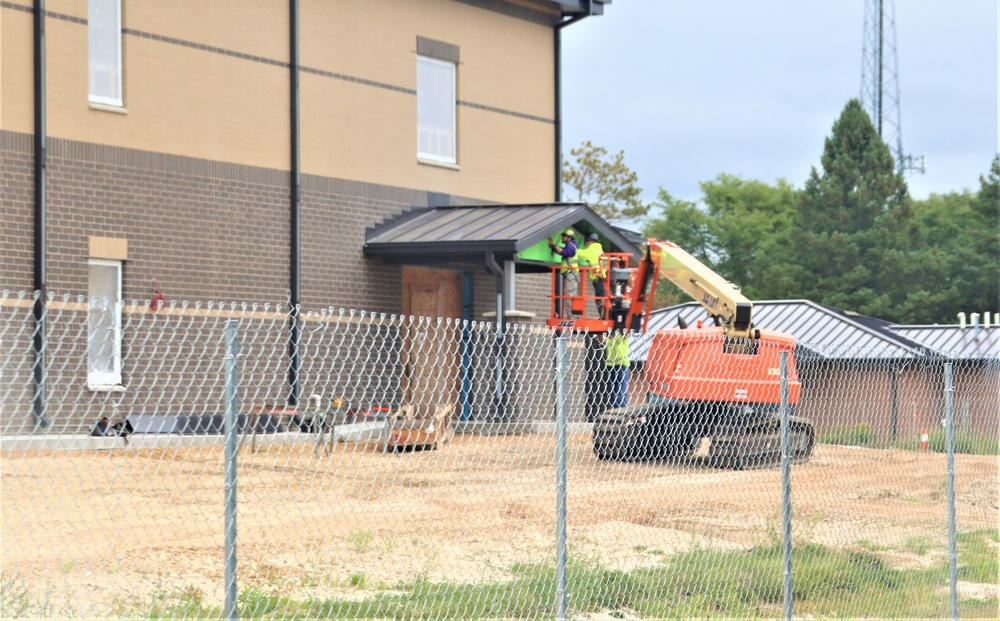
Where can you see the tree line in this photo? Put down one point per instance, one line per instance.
(852, 237)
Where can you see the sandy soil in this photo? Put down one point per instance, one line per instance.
(89, 527)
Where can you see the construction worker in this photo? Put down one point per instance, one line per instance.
(570, 271)
(590, 254)
(616, 353)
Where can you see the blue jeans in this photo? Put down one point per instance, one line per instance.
(618, 385)
(600, 291)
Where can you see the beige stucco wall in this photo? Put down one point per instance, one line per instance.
(194, 102)
(16, 54)
(370, 132)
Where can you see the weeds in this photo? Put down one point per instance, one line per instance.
(358, 580)
(361, 540)
(849, 435)
(697, 584)
(966, 442)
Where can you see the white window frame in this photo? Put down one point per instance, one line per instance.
(116, 98)
(422, 100)
(113, 377)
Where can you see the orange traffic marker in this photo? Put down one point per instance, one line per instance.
(923, 439)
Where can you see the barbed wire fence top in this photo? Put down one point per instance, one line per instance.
(400, 467)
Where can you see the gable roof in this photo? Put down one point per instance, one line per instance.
(956, 342)
(822, 332)
(428, 235)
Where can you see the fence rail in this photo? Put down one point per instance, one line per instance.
(382, 466)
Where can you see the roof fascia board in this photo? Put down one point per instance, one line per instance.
(409, 248)
(578, 7)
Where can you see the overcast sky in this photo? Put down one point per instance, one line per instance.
(693, 88)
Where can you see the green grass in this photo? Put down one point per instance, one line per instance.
(979, 556)
(966, 442)
(827, 583)
(849, 435)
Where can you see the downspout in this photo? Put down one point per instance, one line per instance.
(465, 398)
(294, 182)
(558, 93)
(594, 376)
(500, 396)
(40, 245)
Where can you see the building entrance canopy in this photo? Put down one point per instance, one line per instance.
(492, 234)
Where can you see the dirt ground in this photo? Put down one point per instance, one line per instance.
(92, 526)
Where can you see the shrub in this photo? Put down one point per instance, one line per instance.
(849, 435)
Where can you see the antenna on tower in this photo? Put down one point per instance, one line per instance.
(880, 81)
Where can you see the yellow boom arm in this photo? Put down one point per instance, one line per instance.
(721, 298)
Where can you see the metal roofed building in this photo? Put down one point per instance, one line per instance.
(956, 342)
(823, 332)
(861, 370)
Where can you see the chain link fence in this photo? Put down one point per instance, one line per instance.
(243, 461)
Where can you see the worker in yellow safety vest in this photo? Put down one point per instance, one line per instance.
(590, 255)
(616, 353)
(569, 251)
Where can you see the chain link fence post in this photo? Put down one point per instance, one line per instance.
(232, 433)
(786, 489)
(561, 596)
(949, 420)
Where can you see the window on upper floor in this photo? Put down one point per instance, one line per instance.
(104, 326)
(437, 66)
(104, 33)
(436, 109)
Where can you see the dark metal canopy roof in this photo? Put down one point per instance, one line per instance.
(429, 235)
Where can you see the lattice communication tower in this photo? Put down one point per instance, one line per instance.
(880, 80)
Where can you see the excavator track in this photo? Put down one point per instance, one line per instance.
(643, 432)
(760, 447)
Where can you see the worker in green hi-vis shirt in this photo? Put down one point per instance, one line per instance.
(616, 353)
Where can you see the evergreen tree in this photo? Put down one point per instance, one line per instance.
(846, 242)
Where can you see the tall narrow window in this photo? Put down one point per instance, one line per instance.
(104, 30)
(435, 109)
(104, 334)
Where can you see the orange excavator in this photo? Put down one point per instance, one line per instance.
(720, 384)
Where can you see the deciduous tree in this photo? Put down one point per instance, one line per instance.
(604, 182)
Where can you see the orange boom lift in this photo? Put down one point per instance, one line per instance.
(719, 383)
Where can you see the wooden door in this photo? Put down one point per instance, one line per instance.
(431, 347)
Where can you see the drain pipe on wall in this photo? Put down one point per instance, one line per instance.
(500, 398)
(40, 245)
(294, 183)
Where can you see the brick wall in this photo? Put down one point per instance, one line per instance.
(16, 211)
